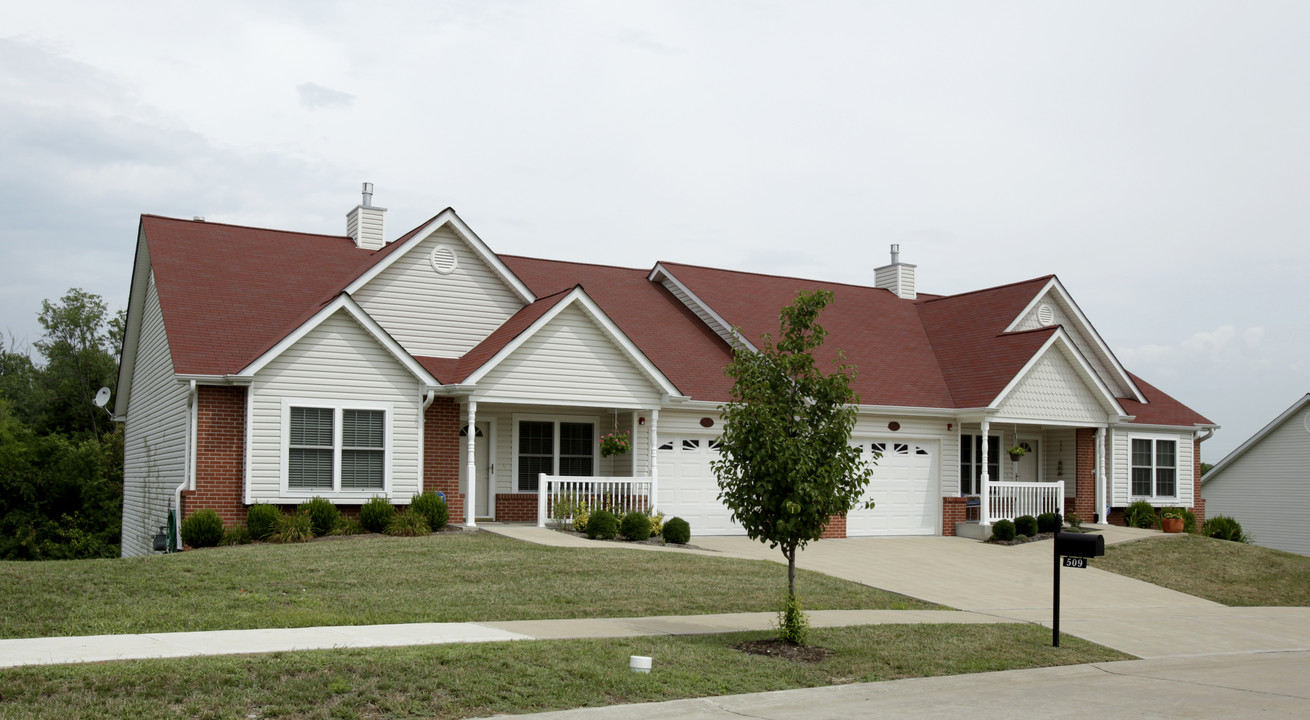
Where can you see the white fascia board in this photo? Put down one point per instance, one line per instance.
(448, 217)
(717, 323)
(562, 402)
(577, 296)
(1085, 325)
(1256, 438)
(352, 308)
(136, 305)
(1061, 337)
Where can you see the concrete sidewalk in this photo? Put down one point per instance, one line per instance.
(100, 648)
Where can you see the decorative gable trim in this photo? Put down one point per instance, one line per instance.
(1058, 341)
(1255, 439)
(577, 296)
(661, 274)
(1085, 328)
(136, 306)
(448, 217)
(352, 308)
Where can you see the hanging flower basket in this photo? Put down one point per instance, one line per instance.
(1017, 452)
(615, 443)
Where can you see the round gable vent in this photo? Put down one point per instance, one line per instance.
(444, 260)
(1045, 315)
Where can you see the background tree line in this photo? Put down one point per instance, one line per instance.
(61, 458)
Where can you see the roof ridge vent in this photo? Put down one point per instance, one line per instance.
(366, 225)
(897, 277)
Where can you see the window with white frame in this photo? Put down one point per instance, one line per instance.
(553, 446)
(971, 462)
(335, 448)
(1155, 467)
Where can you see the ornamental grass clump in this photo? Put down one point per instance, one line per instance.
(432, 508)
(296, 527)
(376, 514)
(635, 526)
(1222, 527)
(408, 523)
(1140, 514)
(202, 529)
(323, 515)
(261, 520)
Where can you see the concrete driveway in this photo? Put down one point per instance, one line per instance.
(1016, 583)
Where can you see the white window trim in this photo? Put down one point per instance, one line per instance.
(1154, 498)
(336, 494)
(516, 418)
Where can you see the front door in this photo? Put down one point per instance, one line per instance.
(1025, 470)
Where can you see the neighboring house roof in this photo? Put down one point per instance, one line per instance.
(230, 293)
(1255, 439)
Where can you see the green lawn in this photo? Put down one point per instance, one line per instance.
(1226, 572)
(453, 681)
(362, 580)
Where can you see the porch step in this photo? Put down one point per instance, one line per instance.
(973, 530)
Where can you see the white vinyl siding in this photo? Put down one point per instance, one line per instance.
(1053, 390)
(1267, 488)
(437, 315)
(154, 449)
(1120, 475)
(336, 365)
(570, 361)
(1090, 350)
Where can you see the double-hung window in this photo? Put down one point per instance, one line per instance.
(553, 447)
(335, 448)
(971, 462)
(1155, 467)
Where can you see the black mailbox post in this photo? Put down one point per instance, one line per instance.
(1075, 548)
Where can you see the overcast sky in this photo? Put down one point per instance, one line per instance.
(1153, 155)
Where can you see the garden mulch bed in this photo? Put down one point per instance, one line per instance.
(785, 650)
(654, 540)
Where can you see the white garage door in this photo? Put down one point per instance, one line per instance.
(687, 488)
(904, 486)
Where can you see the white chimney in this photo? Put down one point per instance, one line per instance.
(365, 224)
(897, 277)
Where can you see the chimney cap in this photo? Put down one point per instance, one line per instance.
(368, 194)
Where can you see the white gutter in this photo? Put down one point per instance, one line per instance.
(190, 473)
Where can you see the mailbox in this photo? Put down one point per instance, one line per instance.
(1079, 545)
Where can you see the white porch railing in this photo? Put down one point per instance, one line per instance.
(1010, 500)
(617, 494)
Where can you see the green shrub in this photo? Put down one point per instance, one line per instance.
(1025, 525)
(1003, 530)
(581, 514)
(563, 508)
(261, 520)
(323, 515)
(1075, 521)
(793, 624)
(348, 526)
(1189, 521)
(677, 531)
(1140, 515)
(635, 526)
(408, 523)
(376, 514)
(1224, 528)
(602, 525)
(235, 535)
(296, 527)
(203, 529)
(656, 524)
(1049, 522)
(432, 508)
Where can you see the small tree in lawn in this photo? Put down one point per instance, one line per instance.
(786, 465)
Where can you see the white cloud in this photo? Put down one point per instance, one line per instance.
(313, 95)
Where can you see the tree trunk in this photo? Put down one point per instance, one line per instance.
(790, 552)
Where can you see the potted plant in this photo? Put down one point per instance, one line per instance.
(615, 443)
(1016, 452)
(1171, 520)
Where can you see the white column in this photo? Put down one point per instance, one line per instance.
(985, 485)
(654, 468)
(471, 497)
(1102, 500)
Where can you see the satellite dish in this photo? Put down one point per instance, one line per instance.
(102, 397)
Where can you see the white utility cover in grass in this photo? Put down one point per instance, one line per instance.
(904, 488)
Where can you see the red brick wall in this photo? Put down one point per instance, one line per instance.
(516, 507)
(441, 424)
(1084, 476)
(220, 454)
(953, 511)
(835, 529)
(1199, 508)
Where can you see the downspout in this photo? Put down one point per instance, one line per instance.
(190, 473)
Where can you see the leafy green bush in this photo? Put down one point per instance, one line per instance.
(296, 527)
(1003, 530)
(202, 529)
(635, 526)
(323, 515)
(408, 523)
(1189, 521)
(432, 508)
(793, 624)
(235, 535)
(261, 520)
(1025, 525)
(563, 508)
(1140, 515)
(1075, 521)
(677, 531)
(1049, 522)
(348, 526)
(602, 525)
(376, 514)
(656, 524)
(1224, 528)
(581, 514)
